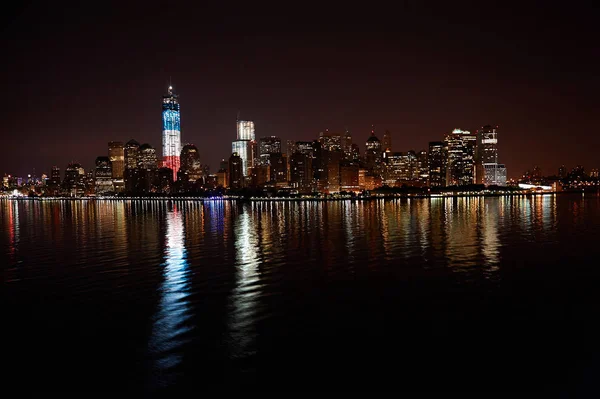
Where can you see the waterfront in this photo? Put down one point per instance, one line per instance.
(439, 293)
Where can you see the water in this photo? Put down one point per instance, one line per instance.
(449, 294)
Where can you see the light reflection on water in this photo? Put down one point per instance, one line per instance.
(170, 322)
(245, 295)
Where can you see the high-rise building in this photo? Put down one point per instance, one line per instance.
(260, 175)
(488, 170)
(487, 145)
(402, 168)
(55, 176)
(147, 157)
(171, 134)
(245, 130)
(244, 150)
(190, 166)
(562, 172)
(460, 163)
(278, 172)
(332, 169)
(301, 171)
(236, 175)
(437, 164)
(165, 180)
(354, 153)
(245, 145)
(131, 154)
(75, 180)
(486, 152)
(387, 141)
(116, 155)
(130, 174)
(347, 146)
(53, 183)
(103, 176)
(423, 167)
(268, 146)
(373, 154)
(147, 169)
(494, 174)
(349, 176)
(330, 141)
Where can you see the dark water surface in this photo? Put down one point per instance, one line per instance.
(450, 294)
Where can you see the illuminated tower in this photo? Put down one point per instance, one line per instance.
(171, 134)
(245, 145)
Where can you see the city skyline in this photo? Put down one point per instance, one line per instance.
(419, 78)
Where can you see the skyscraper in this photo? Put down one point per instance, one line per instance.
(268, 146)
(245, 130)
(330, 141)
(437, 164)
(347, 146)
(245, 145)
(148, 169)
(190, 166)
(130, 174)
(55, 176)
(116, 155)
(74, 182)
(235, 175)
(489, 171)
(373, 154)
(387, 141)
(103, 176)
(171, 135)
(460, 162)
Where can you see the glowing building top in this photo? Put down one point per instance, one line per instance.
(245, 130)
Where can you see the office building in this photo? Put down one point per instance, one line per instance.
(330, 141)
(488, 170)
(235, 175)
(494, 174)
(103, 176)
(278, 169)
(75, 180)
(147, 169)
(349, 176)
(116, 155)
(373, 154)
(268, 146)
(190, 167)
(387, 141)
(460, 161)
(437, 164)
(301, 171)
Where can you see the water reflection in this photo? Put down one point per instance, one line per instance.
(242, 328)
(13, 227)
(490, 242)
(174, 309)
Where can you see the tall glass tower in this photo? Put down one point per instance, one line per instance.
(171, 134)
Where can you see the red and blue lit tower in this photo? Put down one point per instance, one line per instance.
(171, 134)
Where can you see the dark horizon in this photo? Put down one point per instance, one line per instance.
(83, 76)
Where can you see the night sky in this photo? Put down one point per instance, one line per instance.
(77, 77)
